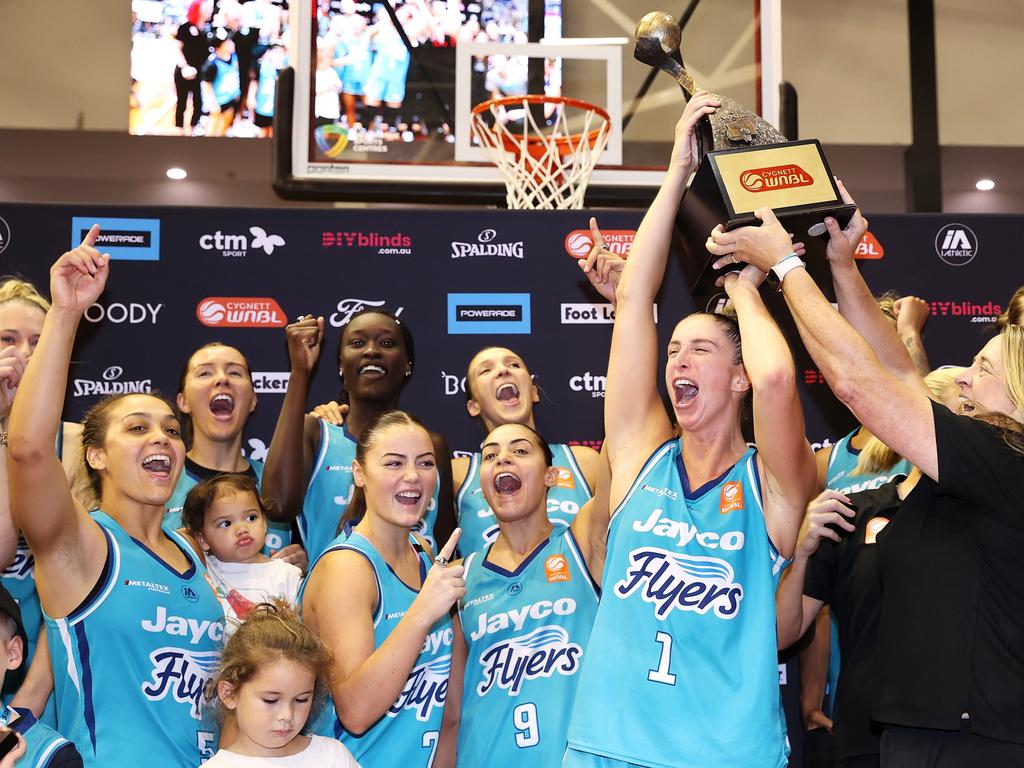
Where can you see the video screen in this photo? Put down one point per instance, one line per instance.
(206, 67)
(381, 89)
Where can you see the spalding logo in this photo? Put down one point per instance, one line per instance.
(775, 178)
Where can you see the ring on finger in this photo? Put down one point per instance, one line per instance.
(441, 560)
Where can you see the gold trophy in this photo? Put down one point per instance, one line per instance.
(745, 164)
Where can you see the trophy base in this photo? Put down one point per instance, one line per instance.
(717, 195)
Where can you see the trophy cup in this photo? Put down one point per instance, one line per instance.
(745, 163)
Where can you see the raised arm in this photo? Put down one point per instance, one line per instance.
(68, 546)
(782, 446)
(635, 420)
(365, 681)
(897, 411)
(856, 302)
(293, 446)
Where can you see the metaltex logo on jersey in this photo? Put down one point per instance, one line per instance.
(488, 313)
(124, 239)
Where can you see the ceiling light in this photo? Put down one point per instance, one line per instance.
(179, 173)
(985, 185)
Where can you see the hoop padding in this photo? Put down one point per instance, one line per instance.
(544, 167)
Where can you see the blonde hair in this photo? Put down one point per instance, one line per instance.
(1013, 364)
(1014, 312)
(16, 289)
(876, 457)
(271, 633)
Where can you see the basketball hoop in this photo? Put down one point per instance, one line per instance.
(545, 163)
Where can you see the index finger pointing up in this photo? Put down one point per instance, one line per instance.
(448, 550)
(91, 235)
(595, 232)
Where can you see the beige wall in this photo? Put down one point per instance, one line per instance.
(61, 59)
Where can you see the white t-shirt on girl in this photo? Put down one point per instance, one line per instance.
(321, 753)
(242, 586)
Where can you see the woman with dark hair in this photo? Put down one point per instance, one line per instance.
(948, 669)
(309, 465)
(116, 588)
(382, 608)
(547, 575)
(684, 645)
(215, 399)
(500, 390)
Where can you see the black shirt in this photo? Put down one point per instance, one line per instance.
(195, 44)
(200, 473)
(951, 638)
(846, 575)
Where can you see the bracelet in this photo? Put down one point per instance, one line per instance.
(785, 265)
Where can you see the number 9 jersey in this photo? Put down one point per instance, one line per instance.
(682, 668)
(526, 635)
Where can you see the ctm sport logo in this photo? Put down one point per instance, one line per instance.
(775, 178)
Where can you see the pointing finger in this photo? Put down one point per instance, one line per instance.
(449, 548)
(91, 235)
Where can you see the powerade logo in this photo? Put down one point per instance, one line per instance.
(579, 242)
(123, 239)
(775, 178)
(240, 312)
(956, 244)
(488, 313)
(5, 235)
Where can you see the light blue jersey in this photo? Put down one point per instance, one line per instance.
(682, 670)
(266, 86)
(130, 663)
(226, 82)
(406, 736)
(842, 464)
(42, 743)
(20, 580)
(477, 521)
(330, 491)
(526, 633)
(279, 535)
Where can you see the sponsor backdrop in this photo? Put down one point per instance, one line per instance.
(461, 280)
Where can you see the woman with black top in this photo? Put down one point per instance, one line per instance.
(836, 564)
(193, 50)
(949, 671)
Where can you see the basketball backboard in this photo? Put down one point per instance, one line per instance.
(406, 138)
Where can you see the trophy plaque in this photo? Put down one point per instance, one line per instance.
(745, 164)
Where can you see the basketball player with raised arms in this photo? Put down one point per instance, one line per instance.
(500, 390)
(681, 670)
(530, 603)
(132, 624)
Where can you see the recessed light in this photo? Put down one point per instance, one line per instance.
(176, 173)
(985, 185)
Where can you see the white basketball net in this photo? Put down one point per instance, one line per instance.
(550, 165)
